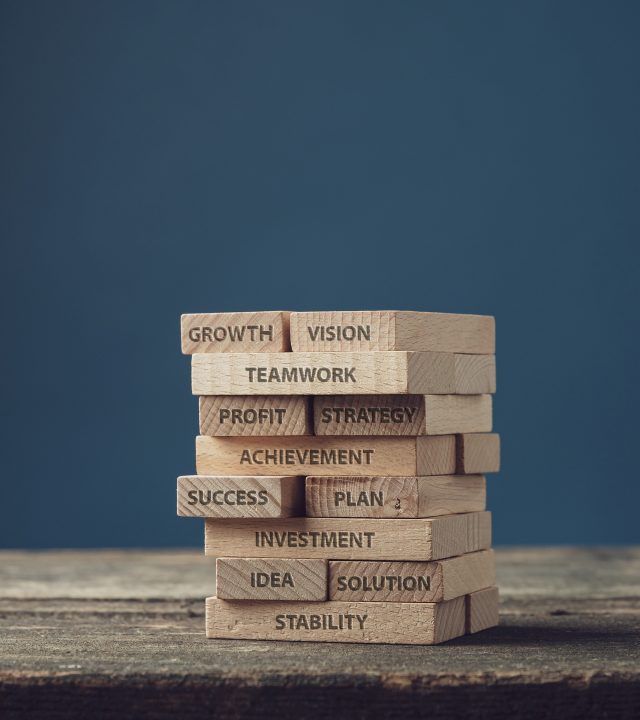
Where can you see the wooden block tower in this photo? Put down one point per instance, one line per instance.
(341, 469)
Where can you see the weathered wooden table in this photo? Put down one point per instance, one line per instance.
(121, 634)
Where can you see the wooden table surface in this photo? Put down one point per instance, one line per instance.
(121, 634)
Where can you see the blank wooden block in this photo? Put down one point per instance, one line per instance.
(478, 453)
(240, 496)
(235, 332)
(474, 374)
(265, 579)
(397, 623)
(342, 373)
(394, 497)
(428, 455)
(350, 538)
(401, 414)
(254, 415)
(482, 610)
(392, 330)
(369, 581)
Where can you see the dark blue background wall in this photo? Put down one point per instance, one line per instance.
(160, 158)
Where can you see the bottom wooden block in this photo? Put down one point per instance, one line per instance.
(482, 610)
(334, 621)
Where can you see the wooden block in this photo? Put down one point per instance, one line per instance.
(393, 330)
(401, 414)
(341, 373)
(264, 579)
(478, 453)
(475, 374)
(246, 416)
(482, 610)
(394, 497)
(240, 496)
(397, 623)
(367, 581)
(235, 332)
(428, 455)
(350, 538)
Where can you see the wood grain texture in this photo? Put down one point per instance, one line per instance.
(341, 373)
(478, 453)
(383, 581)
(240, 496)
(254, 415)
(394, 497)
(449, 494)
(271, 579)
(347, 622)
(94, 634)
(453, 535)
(427, 455)
(599, 576)
(266, 331)
(475, 374)
(408, 415)
(350, 538)
(445, 414)
(482, 610)
(392, 330)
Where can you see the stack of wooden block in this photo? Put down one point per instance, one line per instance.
(340, 469)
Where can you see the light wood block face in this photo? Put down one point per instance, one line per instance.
(482, 610)
(254, 415)
(478, 453)
(429, 455)
(394, 497)
(235, 332)
(265, 579)
(350, 538)
(367, 581)
(349, 415)
(240, 496)
(475, 374)
(341, 373)
(393, 330)
(410, 623)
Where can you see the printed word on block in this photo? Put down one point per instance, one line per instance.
(350, 538)
(482, 610)
(402, 414)
(235, 332)
(240, 496)
(364, 580)
(393, 330)
(270, 579)
(249, 415)
(428, 455)
(394, 497)
(342, 373)
(334, 621)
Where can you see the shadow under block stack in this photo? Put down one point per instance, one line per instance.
(340, 469)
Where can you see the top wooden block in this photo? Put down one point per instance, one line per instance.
(393, 330)
(235, 332)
